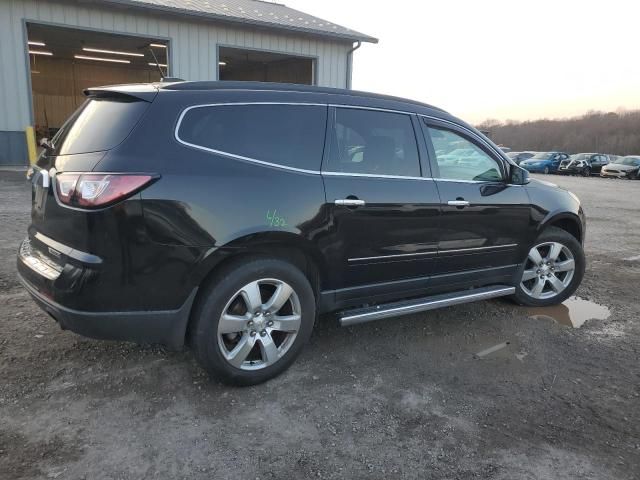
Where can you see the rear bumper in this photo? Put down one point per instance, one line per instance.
(59, 284)
(157, 327)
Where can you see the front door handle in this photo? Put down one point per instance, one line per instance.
(458, 203)
(350, 202)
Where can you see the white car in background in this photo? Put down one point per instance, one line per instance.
(625, 167)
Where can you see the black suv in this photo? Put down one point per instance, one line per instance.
(228, 216)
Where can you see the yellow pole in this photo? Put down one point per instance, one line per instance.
(31, 144)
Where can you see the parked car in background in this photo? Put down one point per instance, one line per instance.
(455, 156)
(625, 167)
(237, 247)
(544, 162)
(583, 164)
(520, 156)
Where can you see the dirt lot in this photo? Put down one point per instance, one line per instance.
(406, 398)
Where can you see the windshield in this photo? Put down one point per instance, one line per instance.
(629, 161)
(542, 156)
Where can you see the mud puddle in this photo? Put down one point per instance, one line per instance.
(573, 312)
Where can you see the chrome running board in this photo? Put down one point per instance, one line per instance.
(407, 307)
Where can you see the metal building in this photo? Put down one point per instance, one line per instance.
(50, 50)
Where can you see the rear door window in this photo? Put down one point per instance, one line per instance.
(99, 124)
(288, 135)
(374, 143)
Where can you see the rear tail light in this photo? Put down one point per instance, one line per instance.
(90, 190)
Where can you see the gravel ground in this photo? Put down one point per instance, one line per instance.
(406, 398)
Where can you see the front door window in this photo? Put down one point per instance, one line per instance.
(459, 159)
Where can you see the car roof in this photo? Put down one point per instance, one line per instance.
(283, 87)
(147, 91)
(278, 92)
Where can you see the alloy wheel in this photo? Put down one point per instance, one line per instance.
(259, 324)
(549, 269)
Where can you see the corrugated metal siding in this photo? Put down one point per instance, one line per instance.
(57, 89)
(13, 148)
(193, 46)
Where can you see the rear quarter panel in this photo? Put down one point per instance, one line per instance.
(205, 202)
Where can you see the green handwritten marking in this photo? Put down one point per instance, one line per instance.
(273, 220)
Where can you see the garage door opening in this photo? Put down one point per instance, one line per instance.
(255, 65)
(65, 61)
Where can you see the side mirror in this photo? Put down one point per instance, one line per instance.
(518, 175)
(44, 143)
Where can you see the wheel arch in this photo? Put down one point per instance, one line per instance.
(286, 246)
(569, 222)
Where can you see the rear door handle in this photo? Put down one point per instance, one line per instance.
(350, 202)
(458, 203)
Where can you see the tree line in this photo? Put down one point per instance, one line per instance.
(616, 133)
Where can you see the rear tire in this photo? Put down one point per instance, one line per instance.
(546, 170)
(553, 274)
(586, 172)
(253, 320)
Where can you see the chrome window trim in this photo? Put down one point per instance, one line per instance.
(476, 137)
(399, 255)
(375, 109)
(454, 180)
(248, 159)
(234, 155)
(319, 172)
(372, 175)
(466, 129)
(486, 182)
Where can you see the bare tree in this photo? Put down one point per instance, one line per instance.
(615, 133)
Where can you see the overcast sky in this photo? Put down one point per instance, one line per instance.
(496, 59)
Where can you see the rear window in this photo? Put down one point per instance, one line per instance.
(99, 124)
(289, 135)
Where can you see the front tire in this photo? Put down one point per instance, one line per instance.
(253, 320)
(586, 172)
(546, 170)
(552, 271)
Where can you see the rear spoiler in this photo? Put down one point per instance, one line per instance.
(141, 91)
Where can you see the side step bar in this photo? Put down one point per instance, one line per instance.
(407, 307)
